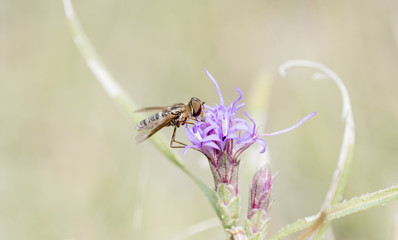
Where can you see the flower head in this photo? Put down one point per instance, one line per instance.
(223, 132)
(223, 136)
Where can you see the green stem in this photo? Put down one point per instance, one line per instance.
(343, 209)
(339, 180)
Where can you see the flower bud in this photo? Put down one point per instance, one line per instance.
(259, 203)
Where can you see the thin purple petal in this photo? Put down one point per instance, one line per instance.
(240, 126)
(191, 136)
(232, 136)
(239, 107)
(239, 98)
(217, 87)
(208, 107)
(292, 127)
(212, 144)
(188, 147)
(251, 119)
(211, 138)
(262, 143)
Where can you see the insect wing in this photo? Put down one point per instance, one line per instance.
(147, 133)
(148, 109)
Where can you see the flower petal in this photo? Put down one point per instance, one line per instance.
(211, 138)
(217, 87)
(292, 127)
(191, 136)
(212, 145)
(262, 143)
(232, 106)
(188, 147)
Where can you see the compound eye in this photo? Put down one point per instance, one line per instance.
(196, 107)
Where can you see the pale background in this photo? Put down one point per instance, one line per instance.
(69, 165)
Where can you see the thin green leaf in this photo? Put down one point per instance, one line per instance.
(343, 209)
(120, 98)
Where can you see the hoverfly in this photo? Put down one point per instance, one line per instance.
(175, 115)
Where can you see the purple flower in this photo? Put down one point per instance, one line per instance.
(222, 137)
(223, 132)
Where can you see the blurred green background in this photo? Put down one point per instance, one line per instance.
(69, 164)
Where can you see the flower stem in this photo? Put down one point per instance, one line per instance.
(343, 209)
(339, 180)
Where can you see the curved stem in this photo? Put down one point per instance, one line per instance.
(346, 151)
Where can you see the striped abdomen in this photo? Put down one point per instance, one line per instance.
(149, 121)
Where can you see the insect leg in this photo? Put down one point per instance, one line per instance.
(174, 141)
